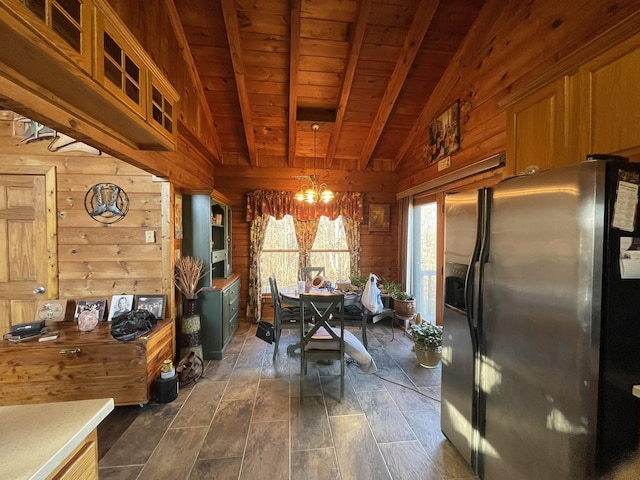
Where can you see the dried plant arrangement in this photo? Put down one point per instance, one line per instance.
(188, 272)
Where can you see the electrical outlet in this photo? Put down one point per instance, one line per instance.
(150, 236)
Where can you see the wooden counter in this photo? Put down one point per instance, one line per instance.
(82, 365)
(39, 441)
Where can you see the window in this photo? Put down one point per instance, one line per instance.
(424, 258)
(280, 251)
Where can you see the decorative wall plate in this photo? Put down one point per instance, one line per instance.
(51, 310)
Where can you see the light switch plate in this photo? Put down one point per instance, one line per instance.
(150, 236)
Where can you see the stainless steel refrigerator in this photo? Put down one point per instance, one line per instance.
(542, 322)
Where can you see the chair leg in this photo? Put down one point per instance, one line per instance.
(342, 379)
(303, 368)
(364, 330)
(277, 343)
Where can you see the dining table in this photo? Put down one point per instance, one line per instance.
(291, 295)
(353, 346)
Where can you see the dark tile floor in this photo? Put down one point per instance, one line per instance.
(243, 420)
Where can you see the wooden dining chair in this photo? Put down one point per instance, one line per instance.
(323, 339)
(309, 273)
(284, 317)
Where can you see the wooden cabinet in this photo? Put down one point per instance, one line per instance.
(82, 53)
(207, 234)
(84, 365)
(82, 463)
(594, 109)
(219, 310)
(609, 112)
(536, 130)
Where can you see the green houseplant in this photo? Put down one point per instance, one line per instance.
(427, 340)
(404, 303)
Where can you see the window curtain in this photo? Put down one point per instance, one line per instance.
(277, 203)
(352, 231)
(256, 235)
(305, 235)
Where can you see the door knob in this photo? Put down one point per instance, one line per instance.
(39, 289)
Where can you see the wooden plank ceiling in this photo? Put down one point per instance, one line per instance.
(362, 69)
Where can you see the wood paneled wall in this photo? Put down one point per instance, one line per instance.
(511, 46)
(97, 260)
(379, 252)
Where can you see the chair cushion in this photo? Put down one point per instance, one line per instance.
(290, 314)
(352, 346)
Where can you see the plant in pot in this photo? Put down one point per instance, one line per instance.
(427, 339)
(188, 272)
(404, 303)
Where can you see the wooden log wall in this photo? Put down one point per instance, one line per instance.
(512, 45)
(97, 260)
(379, 250)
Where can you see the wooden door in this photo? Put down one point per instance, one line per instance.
(23, 247)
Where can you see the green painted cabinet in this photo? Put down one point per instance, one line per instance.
(219, 310)
(207, 236)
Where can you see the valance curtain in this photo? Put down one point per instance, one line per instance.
(279, 203)
(261, 204)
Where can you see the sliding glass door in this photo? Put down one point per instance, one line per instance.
(424, 256)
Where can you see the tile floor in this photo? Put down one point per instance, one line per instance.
(243, 420)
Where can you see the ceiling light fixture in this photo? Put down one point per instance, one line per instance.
(315, 192)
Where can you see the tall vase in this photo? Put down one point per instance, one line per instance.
(190, 340)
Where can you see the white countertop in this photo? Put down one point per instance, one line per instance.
(35, 439)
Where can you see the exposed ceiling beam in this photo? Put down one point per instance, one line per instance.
(235, 48)
(357, 37)
(185, 50)
(422, 20)
(294, 53)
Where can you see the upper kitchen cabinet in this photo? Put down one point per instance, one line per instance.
(81, 53)
(610, 101)
(536, 133)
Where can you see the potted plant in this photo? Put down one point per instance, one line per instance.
(188, 272)
(427, 340)
(404, 303)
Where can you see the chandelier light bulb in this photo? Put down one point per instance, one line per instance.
(312, 194)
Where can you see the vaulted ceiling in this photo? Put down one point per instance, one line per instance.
(362, 69)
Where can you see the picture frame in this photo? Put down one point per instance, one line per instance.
(120, 304)
(444, 134)
(155, 304)
(98, 305)
(51, 310)
(379, 217)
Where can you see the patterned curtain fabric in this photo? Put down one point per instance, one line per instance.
(277, 203)
(254, 304)
(305, 234)
(352, 231)
(280, 203)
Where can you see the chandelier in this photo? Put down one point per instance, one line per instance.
(314, 192)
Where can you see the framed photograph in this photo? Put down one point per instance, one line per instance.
(379, 217)
(444, 135)
(155, 304)
(120, 304)
(96, 305)
(51, 310)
